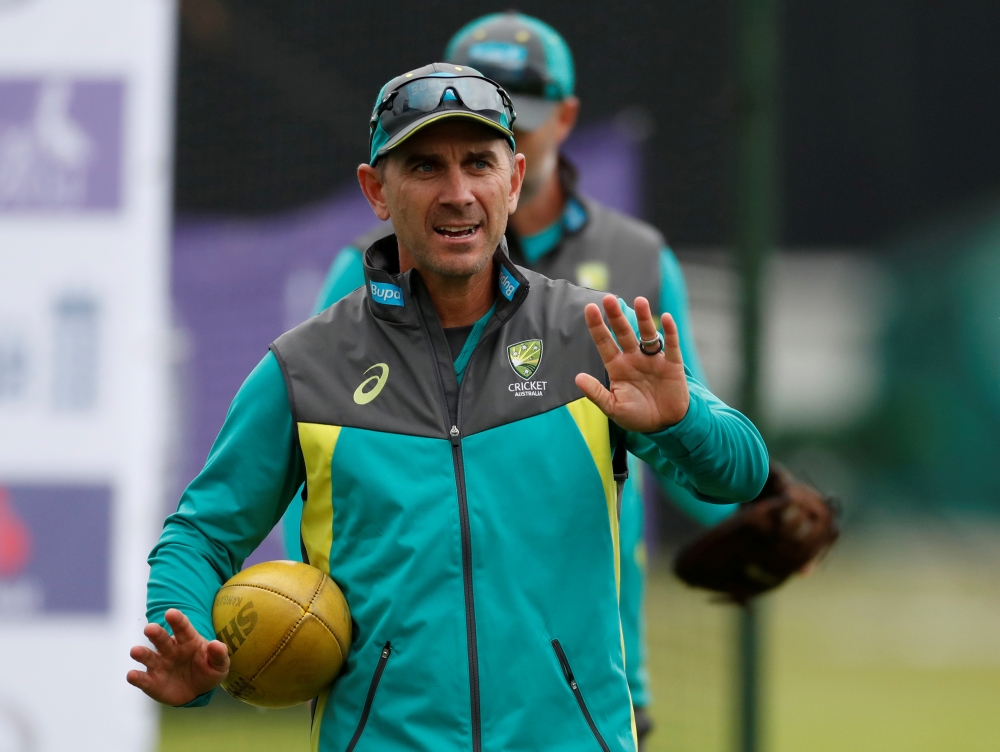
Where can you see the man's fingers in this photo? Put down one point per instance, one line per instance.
(184, 632)
(643, 314)
(140, 679)
(160, 638)
(143, 655)
(218, 656)
(671, 339)
(600, 333)
(594, 391)
(620, 324)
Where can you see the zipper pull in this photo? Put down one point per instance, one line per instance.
(455, 435)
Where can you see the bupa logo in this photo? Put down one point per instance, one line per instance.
(508, 285)
(386, 294)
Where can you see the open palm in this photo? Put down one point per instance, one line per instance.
(647, 392)
(183, 666)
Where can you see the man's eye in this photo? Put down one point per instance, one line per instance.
(481, 164)
(425, 168)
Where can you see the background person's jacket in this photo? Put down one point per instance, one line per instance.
(470, 518)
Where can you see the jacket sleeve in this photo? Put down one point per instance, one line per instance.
(714, 451)
(674, 300)
(253, 470)
(346, 275)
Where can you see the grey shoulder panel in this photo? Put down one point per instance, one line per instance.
(499, 389)
(349, 367)
(346, 367)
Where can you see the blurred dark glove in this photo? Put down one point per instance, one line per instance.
(788, 526)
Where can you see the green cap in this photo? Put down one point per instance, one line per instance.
(524, 55)
(471, 96)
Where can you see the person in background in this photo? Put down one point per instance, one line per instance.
(563, 235)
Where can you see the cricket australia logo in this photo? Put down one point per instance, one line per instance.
(525, 357)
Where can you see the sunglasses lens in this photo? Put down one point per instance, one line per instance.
(479, 95)
(422, 95)
(425, 95)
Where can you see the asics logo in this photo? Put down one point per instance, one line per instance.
(361, 397)
(387, 294)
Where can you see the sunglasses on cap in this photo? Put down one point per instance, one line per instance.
(429, 93)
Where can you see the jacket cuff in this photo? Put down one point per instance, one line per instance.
(689, 433)
(200, 701)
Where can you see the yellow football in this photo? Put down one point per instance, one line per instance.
(288, 630)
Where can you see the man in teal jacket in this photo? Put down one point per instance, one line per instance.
(455, 428)
(563, 235)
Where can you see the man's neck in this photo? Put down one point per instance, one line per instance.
(545, 207)
(459, 301)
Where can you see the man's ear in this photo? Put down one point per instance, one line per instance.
(516, 181)
(374, 190)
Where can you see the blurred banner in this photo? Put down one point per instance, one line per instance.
(85, 113)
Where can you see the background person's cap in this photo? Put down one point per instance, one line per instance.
(389, 129)
(524, 55)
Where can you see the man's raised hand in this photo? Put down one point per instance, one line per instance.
(648, 392)
(182, 667)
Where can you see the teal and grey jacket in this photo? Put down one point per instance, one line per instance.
(602, 249)
(472, 524)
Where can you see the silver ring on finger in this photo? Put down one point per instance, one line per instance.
(651, 346)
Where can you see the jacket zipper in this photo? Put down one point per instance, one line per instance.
(470, 604)
(379, 669)
(571, 680)
(463, 513)
(455, 435)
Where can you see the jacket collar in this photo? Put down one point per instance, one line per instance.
(394, 296)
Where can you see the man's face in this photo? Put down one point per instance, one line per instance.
(448, 191)
(540, 147)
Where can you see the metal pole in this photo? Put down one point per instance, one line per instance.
(748, 678)
(757, 25)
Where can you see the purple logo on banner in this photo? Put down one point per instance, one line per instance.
(60, 144)
(54, 550)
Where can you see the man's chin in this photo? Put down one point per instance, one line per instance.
(458, 260)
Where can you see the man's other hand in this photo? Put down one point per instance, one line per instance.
(648, 392)
(182, 666)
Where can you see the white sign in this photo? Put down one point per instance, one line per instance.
(85, 130)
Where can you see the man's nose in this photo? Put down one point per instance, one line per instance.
(457, 188)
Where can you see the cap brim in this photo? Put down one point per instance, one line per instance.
(532, 112)
(433, 117)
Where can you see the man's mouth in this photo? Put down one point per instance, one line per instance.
(456, 231)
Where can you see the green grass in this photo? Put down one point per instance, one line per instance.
(892, 646)
(227, 724)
